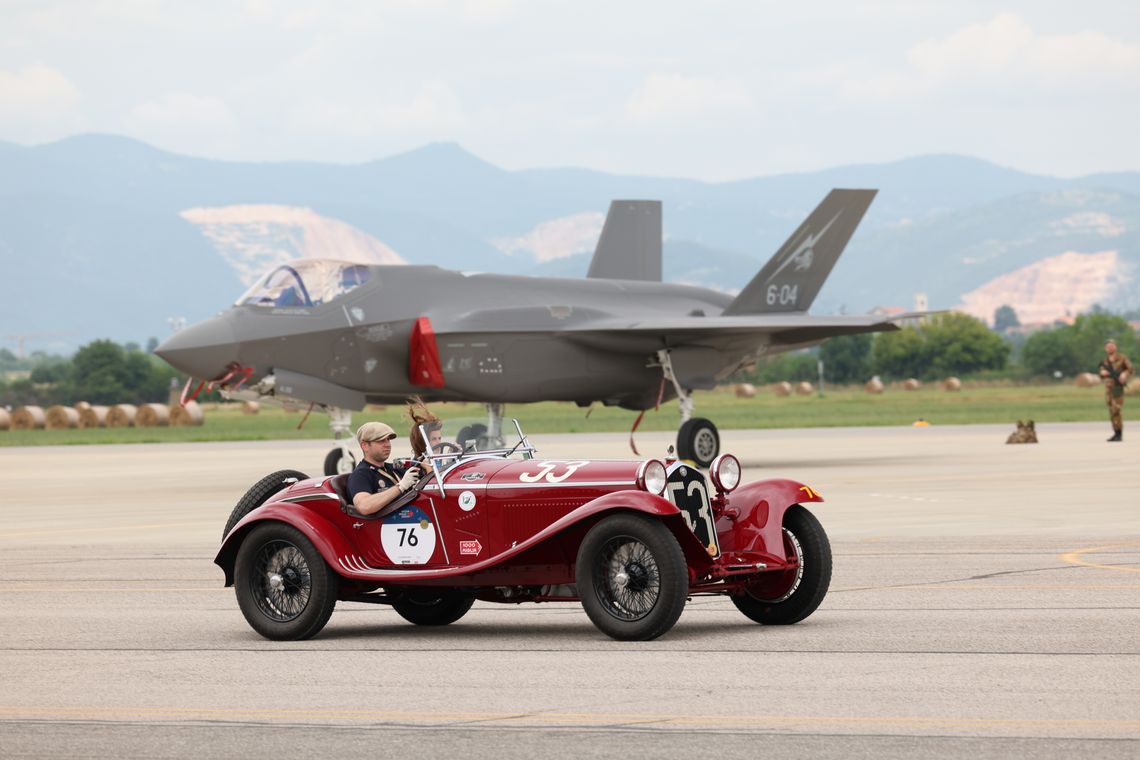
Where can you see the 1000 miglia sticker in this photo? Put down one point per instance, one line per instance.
(408, 537)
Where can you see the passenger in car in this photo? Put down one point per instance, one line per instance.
(375, 483)
(421, 415)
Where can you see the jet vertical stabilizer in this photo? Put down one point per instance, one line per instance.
(630, 245)
(791, 280)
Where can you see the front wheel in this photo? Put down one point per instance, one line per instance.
(632, 577)
(430, 606)
(284, 587)
(783, 598)
(698, 441)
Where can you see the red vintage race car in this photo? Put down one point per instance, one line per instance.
(630, 540)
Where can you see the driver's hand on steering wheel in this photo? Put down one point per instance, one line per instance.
(411, 477)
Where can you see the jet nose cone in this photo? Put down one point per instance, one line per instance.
(202, 350)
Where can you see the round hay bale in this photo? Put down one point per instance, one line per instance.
(122, 415)
(1132, 387)
(93, 417)
(152, 415)
(62, 418)
(874, 385)
(745, 390)
(783, 388)
(250, 407)
(911, 385)
(28, 418)
(1087, 380)
(5, 419)
(952, 384)
(804, 388)
(190, 415)
(81, 405)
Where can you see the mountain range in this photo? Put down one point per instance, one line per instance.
(104, 236)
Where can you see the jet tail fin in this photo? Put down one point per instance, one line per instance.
(630, 245)
(792, 278)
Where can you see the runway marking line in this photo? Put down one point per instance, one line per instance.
(340, 716)
(58, 531)
(1075, 558)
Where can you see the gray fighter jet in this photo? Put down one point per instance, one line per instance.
(337, 335)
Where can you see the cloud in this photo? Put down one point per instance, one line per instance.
(35, 93)
(675, 97)
(1000, 55)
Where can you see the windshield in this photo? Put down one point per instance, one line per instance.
(307, 282)
(469, 436)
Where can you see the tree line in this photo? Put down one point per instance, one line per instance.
(955, 344)
(102, 372)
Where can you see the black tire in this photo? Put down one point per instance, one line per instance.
(284, 587)
(698, 441)
(259, 493)
(786, 598)
(471, 434)
(335, 459)
(433, 606)
(632, 577)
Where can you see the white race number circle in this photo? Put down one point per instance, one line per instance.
(408, 537)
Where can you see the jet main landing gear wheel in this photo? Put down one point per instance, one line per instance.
(698, 441)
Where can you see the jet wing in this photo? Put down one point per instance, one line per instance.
(593, 326)
(779, 328)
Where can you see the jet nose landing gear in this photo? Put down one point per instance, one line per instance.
(342, 459)
(698, 439)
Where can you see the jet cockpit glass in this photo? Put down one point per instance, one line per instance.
(305, 283)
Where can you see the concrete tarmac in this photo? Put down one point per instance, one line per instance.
(985, 602)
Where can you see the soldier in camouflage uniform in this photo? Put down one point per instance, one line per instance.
(1115, 369)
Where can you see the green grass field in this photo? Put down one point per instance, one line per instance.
(840, 407)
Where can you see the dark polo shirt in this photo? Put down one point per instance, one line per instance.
(368, 478)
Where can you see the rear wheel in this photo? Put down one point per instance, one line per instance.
(632, 577)
(698, 441)
(284, 588)
(259, 493)
(433, 606)
(783, 598)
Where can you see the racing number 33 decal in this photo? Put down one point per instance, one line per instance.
(552, 472)
(408, 537)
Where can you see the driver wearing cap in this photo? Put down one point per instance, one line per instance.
(375, 484)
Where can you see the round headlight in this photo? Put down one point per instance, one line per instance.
(725, 472)
(651, 477)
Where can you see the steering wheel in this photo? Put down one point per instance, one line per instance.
(447, 447)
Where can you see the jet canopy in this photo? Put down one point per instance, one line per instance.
(305, 283)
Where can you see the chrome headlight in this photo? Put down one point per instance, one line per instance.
(725, 473)
(651, 477)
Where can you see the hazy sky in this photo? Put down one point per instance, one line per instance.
(710, 90)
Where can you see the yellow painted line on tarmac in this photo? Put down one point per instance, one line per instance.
(61, 531)
(1077, 557)
(526, 718)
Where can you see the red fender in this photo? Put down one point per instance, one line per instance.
(752, 517)
(323, 533)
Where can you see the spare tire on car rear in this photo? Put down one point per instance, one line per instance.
(259, 493)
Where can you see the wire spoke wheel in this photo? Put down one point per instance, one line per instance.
(632, 577)
(627, 580)
(281, 581)
(783, 597)
(284, 587)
